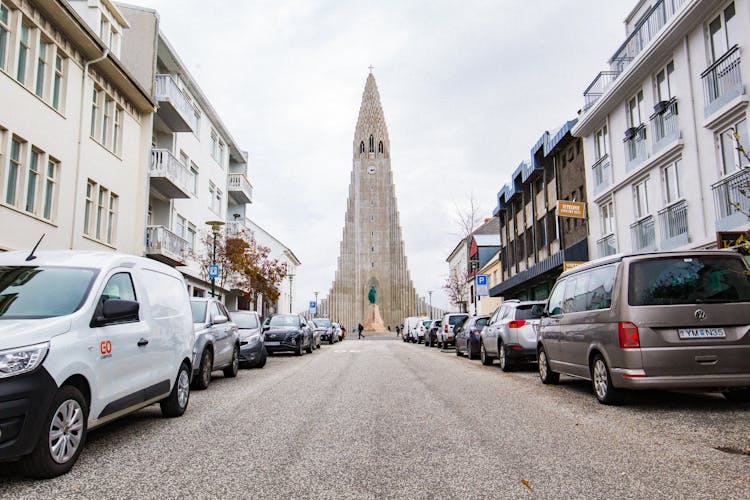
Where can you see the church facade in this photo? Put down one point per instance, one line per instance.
(372, 248)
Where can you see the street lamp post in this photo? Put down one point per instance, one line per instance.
(215, 228)
(316, 303)
(429, 292)
(291, 292)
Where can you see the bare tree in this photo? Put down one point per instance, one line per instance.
(468, 218)
(456, 286)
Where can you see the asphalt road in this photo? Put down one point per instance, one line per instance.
(381, 418)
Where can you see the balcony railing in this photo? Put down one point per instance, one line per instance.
(732, 204)
(665, 126)
(722, 81)
(602, 174)
(673, 222)
(598, 87)
(168, 176)
(643, 235)
(165, 246)
(606, 246)
(635, 147)
(174, 108)
(240, 188)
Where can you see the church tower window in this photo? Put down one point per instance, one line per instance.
(372, 144)
(380, 146)
(362, 147)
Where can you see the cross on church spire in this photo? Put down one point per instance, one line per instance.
(371, 67)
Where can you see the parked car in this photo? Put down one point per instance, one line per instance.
(252, 348)
(326, 330)
(510, 335)
(423, 326)
(430, 339)
(467, 336)
(667, 320)
(217, 341)
(339, 331)
(85, 338)
(446, 335)
(288, 332)
(410, 329)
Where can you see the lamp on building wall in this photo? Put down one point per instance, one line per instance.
(215, 228)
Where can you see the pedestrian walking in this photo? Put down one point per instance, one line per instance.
(359, 330)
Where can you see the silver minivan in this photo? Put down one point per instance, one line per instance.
(668, 320)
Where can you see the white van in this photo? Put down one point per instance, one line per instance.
(85, 338)
(411, 325)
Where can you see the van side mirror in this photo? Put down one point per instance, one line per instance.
(266, 328)
(118, 311)
(219, 320)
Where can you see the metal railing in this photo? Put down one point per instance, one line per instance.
(239, 182)
(160, 240)
(673, 220)
(665, 125)
(643, 234)
(722, 76)
(729, 197)
(166, 89)
(165, 164)
(597, 88)
(606, 246)
(601, 172)
(635, 148)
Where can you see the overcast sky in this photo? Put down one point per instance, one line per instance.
(467, 88)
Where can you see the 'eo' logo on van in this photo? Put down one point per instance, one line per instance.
(105, 348)
(700, 314)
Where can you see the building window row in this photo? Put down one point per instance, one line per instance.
(217, 148)
(106, 120)
(216, 198)
(30, 177)
(32, 58)
(100, 213)
(184, 229)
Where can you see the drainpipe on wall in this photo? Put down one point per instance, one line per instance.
(80, 140)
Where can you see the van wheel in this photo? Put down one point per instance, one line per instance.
(62, 437)
(204, 370)
(486, 358)
(738, 396)
(502, 357)
(231, 370)
(176, 403)
(605, 392)
(545, 372)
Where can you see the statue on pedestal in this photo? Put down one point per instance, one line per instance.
(373, 321)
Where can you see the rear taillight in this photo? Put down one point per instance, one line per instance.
(628, 334)
(516, 323)
(446, 328)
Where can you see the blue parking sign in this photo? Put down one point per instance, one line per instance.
(213, 271)
(481, 279)
(482, 289)
(312, 304)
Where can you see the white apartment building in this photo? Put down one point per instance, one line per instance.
(74, 131)
(663, 169)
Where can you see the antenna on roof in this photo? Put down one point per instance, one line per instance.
(31, 255)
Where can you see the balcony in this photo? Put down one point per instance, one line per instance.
(606, 246)
(602, 174)
(722, 81)
(732, 204)
(169, 177)
(635, 147)
(240, 189)
(165, 246)
(673, 222)
(665, 126)
(598, 87)
(174, 108)
(643, 235)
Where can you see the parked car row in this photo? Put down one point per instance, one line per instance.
(667, 320)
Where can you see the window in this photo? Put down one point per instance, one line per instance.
(95, 103)
(15, 169)
(671, 182)
(731, 158)
(4, 36)
(722, 32)
(554, 306)
(635, 110)
(600, 143)
(117, 130)
(220, 158)
(23, 54)
(664, 83)
(58, 81)
(112, 218)
(196, 121)
(50, 190)
(211, 194)
(380, 146)
(219, 200)
(575, 293)
(119, 287)
(100, 213)
(362, 147)
(101, 205)
(89, 207)
(194, 177)
(107, 119)
(41, 67)
(599, 293)
(191, 235)
(607, 215)
(213, 144)
(372, 144)
(184, 158)
(551, 219)
(179, 225)
(32, 182)
(640, 199)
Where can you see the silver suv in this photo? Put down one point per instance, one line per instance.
(668, 320)
(510, 335)
(217, 341)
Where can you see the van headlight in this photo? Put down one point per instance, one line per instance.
(22, 360)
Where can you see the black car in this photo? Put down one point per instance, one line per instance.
(468, 336)
(252, 349)
(328, 332)
(288, 333)
(430, 339)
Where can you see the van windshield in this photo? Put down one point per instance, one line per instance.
(35, 292)
(688, 280)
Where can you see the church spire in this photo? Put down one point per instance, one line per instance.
(371, 130)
